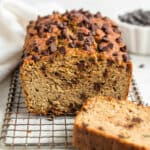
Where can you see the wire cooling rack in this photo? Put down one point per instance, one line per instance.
(24, 130)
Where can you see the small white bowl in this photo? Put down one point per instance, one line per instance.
(137, 38)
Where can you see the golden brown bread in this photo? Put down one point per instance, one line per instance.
(72, 56)
(105, 123)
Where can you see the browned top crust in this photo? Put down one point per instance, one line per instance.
(75, 30)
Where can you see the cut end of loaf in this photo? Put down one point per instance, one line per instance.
(105, 123)
(60, 84)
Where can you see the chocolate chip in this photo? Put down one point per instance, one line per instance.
(105, 73)
(119, 40)
(93, 27)
(62, 50)
(50, 40)
(36, 48)
(105, 48)
(89, 40)
(137, 120)
(72, 37)
(97, 86)
(60, 26)
(101, 128)
(92, 60)
(123, 49)
(52, 47)
(110, 46)
(57, 74)
(45, 52)
(109, 62)
(83, 96)
(31, 34)
(81, 65)
(72, 45)
(122, 136)
(35, 58)
(141, 66)
(84, 124)
(104, 39)
(125, 57)
(80, 36)
(97, 15)
(129, 126)
(105, 28)
(74, 81)
(64, 33)
(43, 67)
(115, 54)
(86, 47)
(100, 48)
(116, 30)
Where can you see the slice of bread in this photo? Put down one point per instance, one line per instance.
(107, 124)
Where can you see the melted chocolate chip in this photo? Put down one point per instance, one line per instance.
(81, 65)
(105, 73)
(129, 126)
(137, 120)
(43, 67)
(35, 58)
(109, 62)
(101, 128)
(125, 57)
(80, 36)
(62, 50)
(97, 86)
(36, 48)
(31, 34)
(83, 96)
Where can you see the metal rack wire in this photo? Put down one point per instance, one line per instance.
(22, 129)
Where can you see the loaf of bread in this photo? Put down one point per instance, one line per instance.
(72, 56)
(108, 124)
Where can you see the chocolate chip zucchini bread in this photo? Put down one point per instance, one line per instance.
(105, 123)
(72, 56)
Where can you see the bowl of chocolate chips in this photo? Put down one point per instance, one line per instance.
(135, 27)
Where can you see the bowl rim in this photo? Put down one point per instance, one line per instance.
(131, 26)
